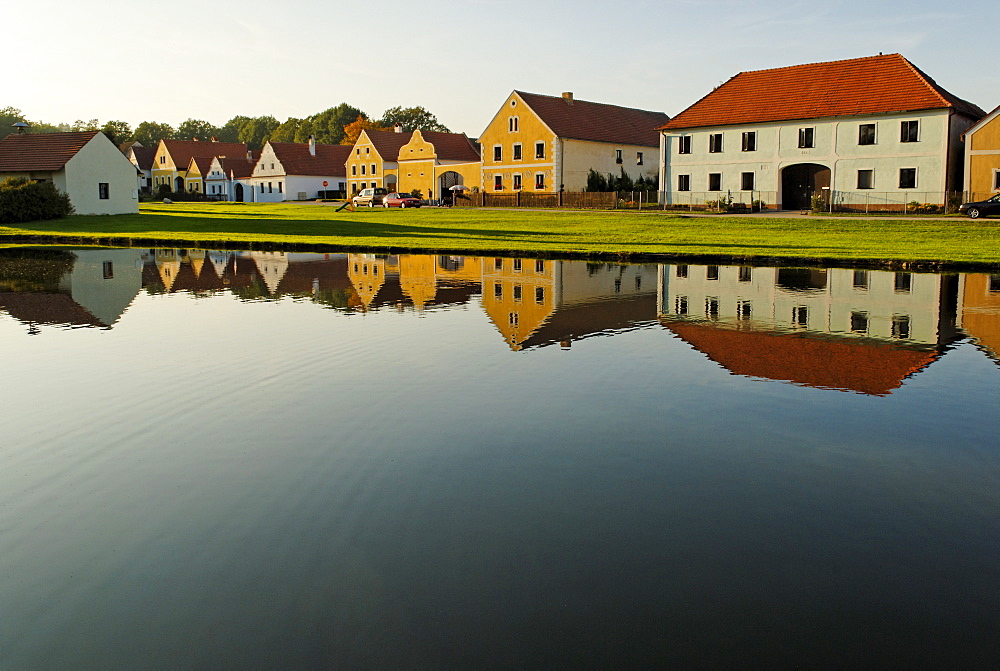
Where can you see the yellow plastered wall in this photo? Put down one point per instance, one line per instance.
(529, 130)
(983, 166)
(364, 154)
(518, 295)
(980, 306)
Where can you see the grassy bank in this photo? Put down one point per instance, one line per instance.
(956, 241)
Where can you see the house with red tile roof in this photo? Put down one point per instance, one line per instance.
(873, 129)
(298, 171)
(374, 159)
(982, 158)
(173, 157)
(85, 165)
(546, 144)
(142, 158)
(229, 178)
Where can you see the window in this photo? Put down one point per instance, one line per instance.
(807, 138)
(497, 183)
(638, 158)
(618, 285)
(711, 272)
(866, 133)
(866, 179)
(354, 170)
(539, 295)
(103, 191)
(715, 143)
(749, 141)
(363, 169)
(512, 124)
(681, 305)
(859, 322)
(517, 151)
(712, 307)
(109, 270)
(909, 131)
(517, 265)
(681, 270)
(497, 264)
(497, 153)
(746, 273)
(907, 178)
(368, 150)
(262, 187)
(861, 280)
(539, 150)
(513, 318)
(901, 326)
(498, 291)
(539, 180)
(800, 315)
(996, 180)
(280, 187)
(517, 181)
(994, 284)
(539, 266)
(373, 169)
(358, 151)
(746, 181)
(618, 155)
(684, 144)
(902, 282)
(683, 182)
(743, 310)
(715, 181)
(517, 293)
(270, 187)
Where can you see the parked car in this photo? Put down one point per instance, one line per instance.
(370, 196)
(400, 200)
(981, 208)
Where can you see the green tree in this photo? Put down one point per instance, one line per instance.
(328, 125)
(596, 181)
(8, 117)
(149, 133)
(230, 132)
(303, 131)
(257, 131)
(196, 128)
(117, 131)
(286, 131)
(80, 124)
(352, 131)
(411, 118)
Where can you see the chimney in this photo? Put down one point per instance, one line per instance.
(312, 145)
(398, 128)
(249, 154)
(214, 139)
(195, 139)
(568, 97)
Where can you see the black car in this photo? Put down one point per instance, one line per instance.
(982, 208)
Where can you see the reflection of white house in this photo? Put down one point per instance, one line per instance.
(272, 266)
(874, 129)
(298, 171)
(85, 165)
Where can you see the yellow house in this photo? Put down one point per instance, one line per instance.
(197, 170)
(519, 295)
(367, 273)
(433, 162)
(979, 305)
(173, 159)
(373, 159)
(982, 157)
(546, 144)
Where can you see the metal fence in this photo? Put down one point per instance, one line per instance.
(718, 201)
(604, 200)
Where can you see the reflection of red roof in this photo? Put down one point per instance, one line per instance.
(596, 122)
(872, 85)
(576, 321)
(41, 151)
(854, 365)
(47, 309)
(328, 161)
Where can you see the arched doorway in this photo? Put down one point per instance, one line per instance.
(178, 185)
(799, 182)
(446, 181)
(238, 193)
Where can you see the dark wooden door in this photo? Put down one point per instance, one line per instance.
(800, 182)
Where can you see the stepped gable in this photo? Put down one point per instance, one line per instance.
(41, 151)
(388, 142)
(182, 151)
(296, 159)
(881, 84)
(826, 363)
(597, 122)
(452, 146)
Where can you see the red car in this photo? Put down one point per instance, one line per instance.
(400, 200)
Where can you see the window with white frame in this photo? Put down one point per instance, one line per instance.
(747, 181)
(618, 155)
(517, 151)
(497, 153)
(683, 182)
(373, 169)
(363, 168)
(539, 150)
(866, 133)
(539, 180)
(512, 124)
(497, 182)
(996, 180)
(907, 178)
(909, 131)
(516, 184)
(715, 143)
(749, 141)
(866, 179)
(684, 144)
(807, 138)
(103, 191)
(638, 158)
(715, 181)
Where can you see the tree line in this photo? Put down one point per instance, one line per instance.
(337, 125)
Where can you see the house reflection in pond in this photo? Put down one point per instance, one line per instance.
(979, 311)
(413, 280)
(534, 302)
(69, 287)
(857, 330)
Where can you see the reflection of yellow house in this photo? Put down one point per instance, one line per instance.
(980, 310)
(173, 158)
(459, 269)
(367, 274)
(168, 264)
(982, 157)
(544, 144)
(418, 278)
(433, 162)
(519, 295)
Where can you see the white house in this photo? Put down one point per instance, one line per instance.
(298, 171)
(142, 158)
(85, 165)
(229, 178)
(871, 130)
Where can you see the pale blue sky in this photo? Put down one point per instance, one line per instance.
(111, 59)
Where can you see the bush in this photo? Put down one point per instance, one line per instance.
(24, 200)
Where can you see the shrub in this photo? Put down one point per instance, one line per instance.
(24, 200)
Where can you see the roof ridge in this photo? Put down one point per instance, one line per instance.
(587, 102)
(839, 60)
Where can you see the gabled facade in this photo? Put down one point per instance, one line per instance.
(142, 158)
(173, 157)
(229, 178)
(982, 157)
(433, 162)
(374, 159)
(872, 128)
(298, 171)
(197, 171)
(547, 144)
(85, 165)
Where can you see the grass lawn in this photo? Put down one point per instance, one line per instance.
(461, 230)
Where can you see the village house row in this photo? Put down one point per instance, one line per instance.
(858, 127)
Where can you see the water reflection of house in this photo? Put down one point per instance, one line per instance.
(979, 310)
(838, 328)
(76, 287)
(419, 281)
(534, 302)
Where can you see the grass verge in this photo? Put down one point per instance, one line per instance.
(619, 234)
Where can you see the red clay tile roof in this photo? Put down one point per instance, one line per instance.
(239, 167)
(203, 163)
(845, 364)
(872, 85)
(388, 142)
(296, 159)
(44, 308)
(452, 146)
(41, 151)
(596, 122)
(144, 156)
(181, 151)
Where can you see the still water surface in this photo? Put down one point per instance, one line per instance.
(217, 459)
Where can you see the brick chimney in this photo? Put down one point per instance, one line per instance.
(398, 128)
(568, 97)
(312, 145)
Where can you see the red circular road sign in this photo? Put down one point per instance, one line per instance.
(326, 183)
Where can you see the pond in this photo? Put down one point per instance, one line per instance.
(266, 459)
